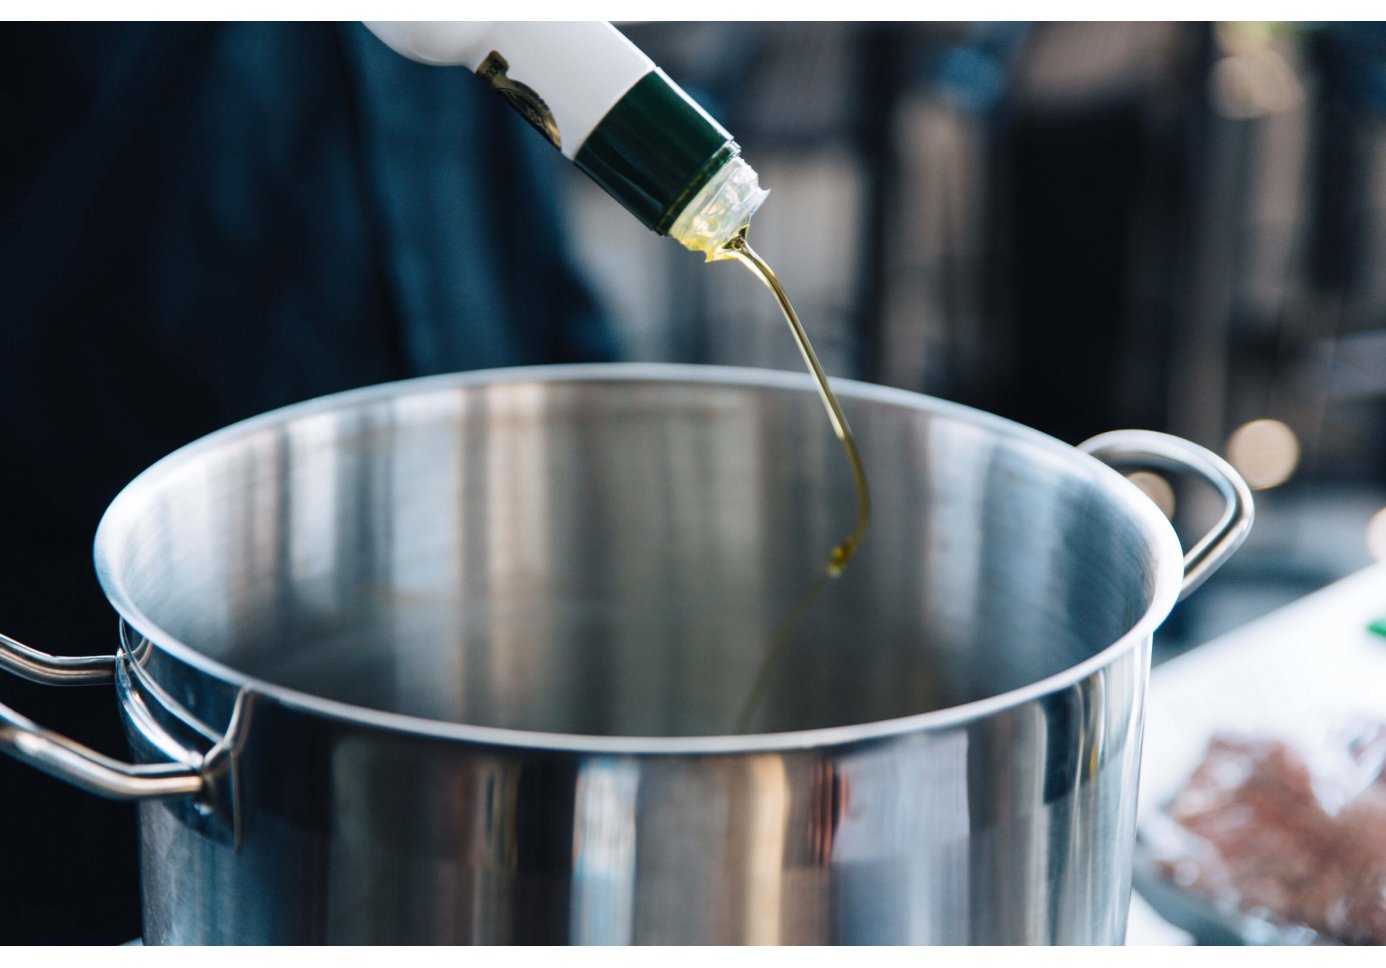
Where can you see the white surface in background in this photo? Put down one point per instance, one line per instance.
(1145, 927)
(1299, 673)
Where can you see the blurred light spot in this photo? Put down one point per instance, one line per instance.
(1254, 85)
(1376, 535)
(1242, 36)
(1265, 452)
(1156, 488)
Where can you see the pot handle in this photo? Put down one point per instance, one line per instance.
(68, 760)
(1134, 449)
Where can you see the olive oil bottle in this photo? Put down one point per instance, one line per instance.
(605, 105)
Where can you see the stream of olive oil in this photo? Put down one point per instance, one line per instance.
(739, 249)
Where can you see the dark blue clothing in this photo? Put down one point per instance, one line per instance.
(199, 223)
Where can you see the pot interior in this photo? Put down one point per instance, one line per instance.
(606, 552)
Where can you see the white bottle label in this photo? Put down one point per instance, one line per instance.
(563, 77)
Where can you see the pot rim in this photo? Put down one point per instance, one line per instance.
(121, 518)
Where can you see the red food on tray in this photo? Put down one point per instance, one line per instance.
(1293, 833)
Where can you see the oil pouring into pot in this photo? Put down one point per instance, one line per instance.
(649, 145)
(427, 713)
(739, 248)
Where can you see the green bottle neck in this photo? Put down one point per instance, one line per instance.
(654, 150)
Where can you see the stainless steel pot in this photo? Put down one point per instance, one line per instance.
(454, 660)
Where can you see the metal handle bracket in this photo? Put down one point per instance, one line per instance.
(69, 760)
(18, 659)
(1149, 449)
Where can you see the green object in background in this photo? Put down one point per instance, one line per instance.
(1378, 627)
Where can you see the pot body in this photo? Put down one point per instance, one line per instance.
(457, 660)
(1015, 828)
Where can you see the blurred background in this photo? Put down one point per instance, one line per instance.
(1080, 227)
(1077, 226)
